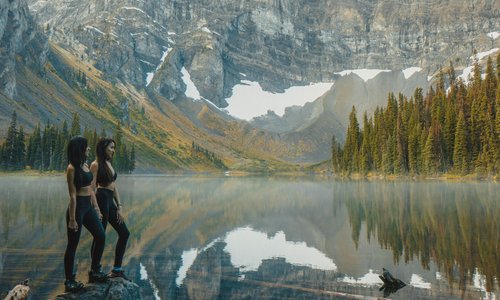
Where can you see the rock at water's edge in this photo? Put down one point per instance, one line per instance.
(116, 288)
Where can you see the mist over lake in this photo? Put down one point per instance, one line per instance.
(201, 237)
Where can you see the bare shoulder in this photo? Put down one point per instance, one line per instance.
(70, 173)
(94, 165)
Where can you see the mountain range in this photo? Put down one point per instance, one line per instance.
(141, 60)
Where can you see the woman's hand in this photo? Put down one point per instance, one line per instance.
(73, 225)
(119, 216)
(99, 215)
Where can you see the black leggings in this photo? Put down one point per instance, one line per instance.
(110, 214)
(85, 215)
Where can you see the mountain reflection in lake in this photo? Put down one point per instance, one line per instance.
(235, 238)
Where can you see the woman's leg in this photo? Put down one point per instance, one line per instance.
(123, 234)
(93, 224)
(73, 239)
(103, 201)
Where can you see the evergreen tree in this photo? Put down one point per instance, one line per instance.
(490, 86)
(9, 157)
(132, 160)
(103, 133)
(58, 153)
(388, 154)
(20, 150)
(414, 149)
(401, 164)
(366, 152)
(336, 155)
(351, 147)
(2, 155)
(119, 155)
(35, 149)
(449, 133)
(428, 153)
(75, 126)
(65, 136)
(377, 141)
(460, 160)
(93, 144)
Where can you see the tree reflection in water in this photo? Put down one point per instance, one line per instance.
(453, 226)
(456, 225)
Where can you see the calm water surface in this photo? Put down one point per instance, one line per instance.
(261, 238)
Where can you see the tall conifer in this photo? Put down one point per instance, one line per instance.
(9, 149)
(75, 125)
(460, 153)
(351, 147)
(20, 149)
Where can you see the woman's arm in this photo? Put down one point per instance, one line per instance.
(70, 178)
(93, 187)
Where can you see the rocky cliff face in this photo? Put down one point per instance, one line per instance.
(277, 43)
(20, 43)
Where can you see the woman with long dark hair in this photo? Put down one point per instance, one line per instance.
(82, 210)
(108, 199)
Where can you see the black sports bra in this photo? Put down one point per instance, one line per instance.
(82, 178)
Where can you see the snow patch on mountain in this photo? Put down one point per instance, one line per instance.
(191, 90)
(410, 71)
(365, 74)
(150, 75)
(494, 35)
(249, 100)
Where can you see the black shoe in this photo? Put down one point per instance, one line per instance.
(118, 274)
(71, 285)
(97, 276)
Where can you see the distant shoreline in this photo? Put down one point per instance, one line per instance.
(353, 176)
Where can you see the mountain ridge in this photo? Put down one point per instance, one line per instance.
(134, 54)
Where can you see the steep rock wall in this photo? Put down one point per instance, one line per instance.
(277, 43)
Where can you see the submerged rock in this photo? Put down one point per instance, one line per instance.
(116, 288)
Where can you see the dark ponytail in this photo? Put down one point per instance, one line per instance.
(104, 176)
(77, 147)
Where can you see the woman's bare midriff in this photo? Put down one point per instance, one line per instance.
(83, 191)
(110, 186)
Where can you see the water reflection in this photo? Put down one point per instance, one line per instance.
(455, 225)
(205, 238)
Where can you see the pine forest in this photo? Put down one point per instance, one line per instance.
(453, 129)
(46, 150)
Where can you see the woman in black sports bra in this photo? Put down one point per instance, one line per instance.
(82, 210)
(108, 199)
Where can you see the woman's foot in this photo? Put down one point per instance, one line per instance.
(117, 274)
(71, 285)
(97, 276)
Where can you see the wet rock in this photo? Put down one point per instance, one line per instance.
(115, 289)
(19, 292)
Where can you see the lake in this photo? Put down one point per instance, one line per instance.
(202, 237)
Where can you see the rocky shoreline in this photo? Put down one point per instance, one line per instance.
(116, 288)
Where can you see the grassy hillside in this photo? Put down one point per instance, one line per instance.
(163, 133)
